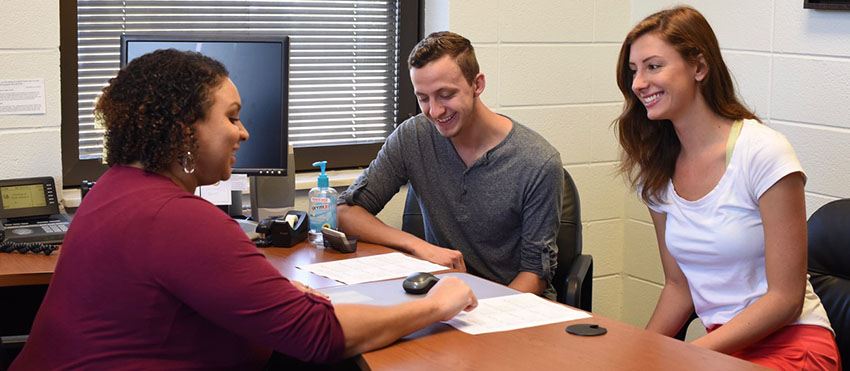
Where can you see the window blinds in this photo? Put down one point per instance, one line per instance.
(343, 60)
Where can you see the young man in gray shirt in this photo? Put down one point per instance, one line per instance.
(490, 188)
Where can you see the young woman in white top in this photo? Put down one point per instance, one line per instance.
(726, 197)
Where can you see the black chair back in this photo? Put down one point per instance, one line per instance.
(411, 218)
(569, 235)
(829, 267)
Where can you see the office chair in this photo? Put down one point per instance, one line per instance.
(829, 268)
(573, 279)
(683, 332)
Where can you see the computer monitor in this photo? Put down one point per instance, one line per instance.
(259, 66)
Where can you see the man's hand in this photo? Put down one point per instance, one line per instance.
(451, 295)
(439, 255)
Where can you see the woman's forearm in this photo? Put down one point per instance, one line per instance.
(673, 309)
(766, 315)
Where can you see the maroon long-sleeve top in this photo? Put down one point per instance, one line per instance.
(152, 277)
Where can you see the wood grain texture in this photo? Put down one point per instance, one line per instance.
(548, 347)
(27, 269)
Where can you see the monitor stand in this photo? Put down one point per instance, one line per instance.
(273, 195)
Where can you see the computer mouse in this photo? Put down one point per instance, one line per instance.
(419, 283)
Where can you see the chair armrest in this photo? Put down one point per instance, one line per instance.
(579, 283)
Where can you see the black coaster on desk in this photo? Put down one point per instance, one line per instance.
(586, 329)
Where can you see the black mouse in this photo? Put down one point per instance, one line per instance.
(419, 283)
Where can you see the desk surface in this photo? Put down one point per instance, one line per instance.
(548, 347)
(286, 259)
(26, 269)
(390, 292)
(37, 269)
(440, 346)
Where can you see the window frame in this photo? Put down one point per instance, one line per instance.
(75, 170)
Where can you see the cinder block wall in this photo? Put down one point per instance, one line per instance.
(29, 49)
(792, 66)
(549, 64)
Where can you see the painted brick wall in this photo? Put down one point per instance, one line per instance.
(792, 66)
(549, 64)
(29, 49)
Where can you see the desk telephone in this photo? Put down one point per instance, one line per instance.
(29, 215)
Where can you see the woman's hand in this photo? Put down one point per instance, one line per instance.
(451, 295)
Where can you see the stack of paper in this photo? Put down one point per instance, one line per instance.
(371, 268)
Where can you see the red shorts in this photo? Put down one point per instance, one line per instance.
(795, 347)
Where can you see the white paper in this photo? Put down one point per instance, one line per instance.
(239, 182)
(505, 313)
(218, 194)
(371, 268)
(22, 97)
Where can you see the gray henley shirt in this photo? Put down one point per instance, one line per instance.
(502, 212)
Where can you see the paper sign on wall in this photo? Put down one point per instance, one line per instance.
(22, 97)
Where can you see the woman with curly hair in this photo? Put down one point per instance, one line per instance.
(726, 197)
(152, 277)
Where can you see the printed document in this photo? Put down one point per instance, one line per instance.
(371, 268)
(505, 313)
(217, 194)
(22, 97)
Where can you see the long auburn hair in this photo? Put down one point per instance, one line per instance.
(650, 147)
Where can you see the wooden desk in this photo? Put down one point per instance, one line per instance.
(548, 347)
(286, 259)
(440, 346)
(37, 269)
(26, 269)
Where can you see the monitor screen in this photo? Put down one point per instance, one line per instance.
(27, 197)
(259, 67)
(16, 197)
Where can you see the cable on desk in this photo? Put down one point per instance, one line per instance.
(25, 247)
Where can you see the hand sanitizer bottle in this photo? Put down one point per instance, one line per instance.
(322, 209)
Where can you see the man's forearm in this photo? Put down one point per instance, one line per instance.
(528, 282)
(355, 220)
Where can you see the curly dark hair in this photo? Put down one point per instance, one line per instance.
(150, 108)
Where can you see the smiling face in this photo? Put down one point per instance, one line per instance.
(665, 83)
(219, 135)
(445, 96)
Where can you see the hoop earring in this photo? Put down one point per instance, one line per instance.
(188, 163)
